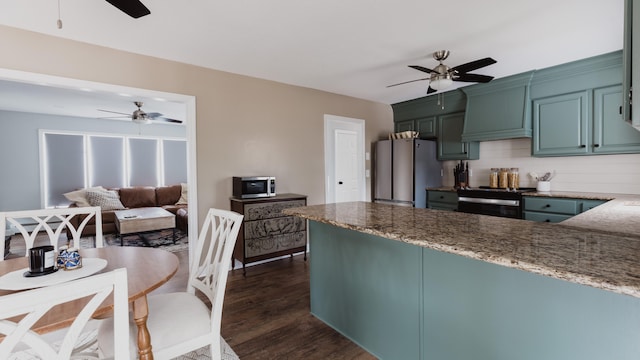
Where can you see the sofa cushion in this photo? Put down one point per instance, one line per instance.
(105, 199)
(139, 196)
(168, 195)
(184, 196)
(79, 197)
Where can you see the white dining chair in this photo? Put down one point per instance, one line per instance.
(31, 305)
(181, 322)
(30, 223)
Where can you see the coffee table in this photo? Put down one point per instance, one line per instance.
(143, 220)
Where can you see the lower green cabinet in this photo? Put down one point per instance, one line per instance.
(546, 209)
(442, 200)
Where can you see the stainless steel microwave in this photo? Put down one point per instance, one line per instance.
(249, 187)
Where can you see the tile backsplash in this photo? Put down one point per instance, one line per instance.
(594, 173)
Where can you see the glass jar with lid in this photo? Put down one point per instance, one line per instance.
(514, 178)
(493, 178)
(503, 178)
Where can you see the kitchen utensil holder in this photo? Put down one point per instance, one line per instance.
(544, 186)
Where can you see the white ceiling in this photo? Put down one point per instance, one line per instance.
(354, 47)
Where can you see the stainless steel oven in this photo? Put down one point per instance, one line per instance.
(495, 202)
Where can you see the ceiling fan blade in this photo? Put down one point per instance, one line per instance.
(421, 68)
(473, 78)
(474, 65)
(133, 8)
(431, 90)
(160, 117)
(115, 112)
(175, 121)
(406, 82)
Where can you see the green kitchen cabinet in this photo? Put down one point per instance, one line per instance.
(577, 109)
(583, 123)
(406, 125)
(548, 209)
(442, 200)
(586, 205)
(426, 127)
(498, 109)
(560, 125)
(611, 134)
(439, 115)
(631, 60)
(422, 114)
(450, 144)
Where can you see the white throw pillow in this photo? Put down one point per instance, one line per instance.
(79, 197)
(106, 199)
(184, 197)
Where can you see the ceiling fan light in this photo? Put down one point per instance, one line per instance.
(440, 81)
(141, 120)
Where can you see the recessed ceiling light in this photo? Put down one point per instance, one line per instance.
(86, 89)
(125, 95)
(159, 99)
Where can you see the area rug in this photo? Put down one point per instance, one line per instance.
(203, 353)
(158, 239)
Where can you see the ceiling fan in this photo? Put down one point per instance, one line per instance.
(133, 8)
(141, 117)
(442, 76)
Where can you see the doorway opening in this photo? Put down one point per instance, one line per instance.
(65, 84)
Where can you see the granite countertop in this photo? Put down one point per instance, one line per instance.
(599, 248)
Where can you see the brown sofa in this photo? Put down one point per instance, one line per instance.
(165, 197)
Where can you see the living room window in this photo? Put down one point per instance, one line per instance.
(69, 161)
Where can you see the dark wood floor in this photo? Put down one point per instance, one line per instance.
(266, 315)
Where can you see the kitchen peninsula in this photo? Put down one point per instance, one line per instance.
(407, 283)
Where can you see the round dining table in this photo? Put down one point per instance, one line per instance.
(147, 269)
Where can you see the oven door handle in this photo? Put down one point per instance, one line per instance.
(489, 201)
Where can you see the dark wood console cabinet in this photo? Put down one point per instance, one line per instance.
(266, 232)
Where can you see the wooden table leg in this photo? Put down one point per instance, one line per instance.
(140, 314)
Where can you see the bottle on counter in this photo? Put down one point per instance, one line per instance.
(514, 178)
(493, 178)
(503, 178)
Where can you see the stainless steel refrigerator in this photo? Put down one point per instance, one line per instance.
(404, 168)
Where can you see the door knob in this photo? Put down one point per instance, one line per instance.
(339, 182)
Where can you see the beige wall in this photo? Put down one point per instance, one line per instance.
(244, 125)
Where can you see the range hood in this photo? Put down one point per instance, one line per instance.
(499, 109)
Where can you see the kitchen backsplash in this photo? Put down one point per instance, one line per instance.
(594, 173)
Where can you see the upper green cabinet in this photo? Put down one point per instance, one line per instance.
(406, 125)
(577, 109)
(450, 144)
(611, 134)
(560, 125)
(440, 116)
(426, 127)
(499, 109)
(631, 60)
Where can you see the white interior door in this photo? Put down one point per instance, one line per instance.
(346, 166)
(344, 159)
